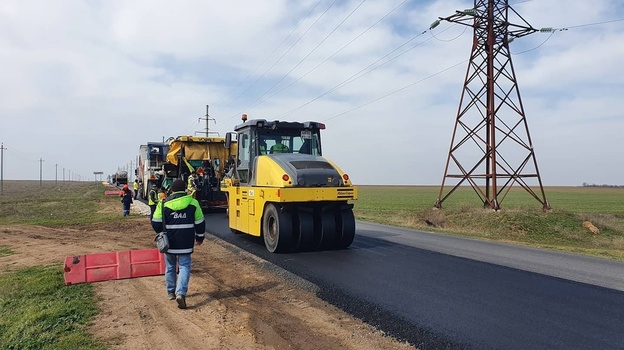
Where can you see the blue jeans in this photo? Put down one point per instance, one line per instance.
(184, 265)
(126, 209)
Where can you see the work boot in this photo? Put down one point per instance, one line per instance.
(181, 300)
(171, 295)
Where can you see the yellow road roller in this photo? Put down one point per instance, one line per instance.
(281, 188)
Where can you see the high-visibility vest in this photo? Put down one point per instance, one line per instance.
(152, 194)
(279, 148)
(136, 186)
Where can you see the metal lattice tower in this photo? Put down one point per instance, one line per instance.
(491, 147)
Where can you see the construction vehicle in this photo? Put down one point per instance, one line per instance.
(150, 169)
(283, 189)
(120, 178)
(205, 156)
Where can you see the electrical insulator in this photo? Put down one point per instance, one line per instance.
(469, 12)
(547, 30)
(434, 24)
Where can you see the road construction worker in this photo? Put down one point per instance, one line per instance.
(135, 186)
(126, 199)
(152, 200)
(191, 183)
(263, 147)
(182, 218)
(199, 179)
(162, 194)
(279, 147)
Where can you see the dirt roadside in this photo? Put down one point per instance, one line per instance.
(235, 302)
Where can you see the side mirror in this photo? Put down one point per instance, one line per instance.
(228, 140)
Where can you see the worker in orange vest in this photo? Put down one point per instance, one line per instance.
(126, 199)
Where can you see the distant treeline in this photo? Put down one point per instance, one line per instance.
(585, 184)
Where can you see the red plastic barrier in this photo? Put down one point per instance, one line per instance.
(113, 266)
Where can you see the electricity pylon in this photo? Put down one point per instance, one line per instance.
(491, 147)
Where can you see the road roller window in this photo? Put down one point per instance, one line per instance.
(307, 143)
(244, 156)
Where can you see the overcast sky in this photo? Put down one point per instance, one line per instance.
(84, 83)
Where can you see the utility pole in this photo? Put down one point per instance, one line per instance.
(2, 168)
(40, 172)
(63, 174)
(207, 119)
(56, 173)
(491, 131)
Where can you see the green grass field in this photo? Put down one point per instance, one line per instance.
(56, 204)
(521, 219)
(38, 310)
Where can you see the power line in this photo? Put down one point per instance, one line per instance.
(282, 56)
(351, 79)
(21, 156)
(191, 127)
(593, 24)
(535, 48)
(271, 54)
(552, 31)
(332, 55)
(396, 91)
(448, 40)
(361, 74)
(363, 71)
(305, 57)
(29, 159)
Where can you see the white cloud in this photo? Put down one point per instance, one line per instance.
(80, 77)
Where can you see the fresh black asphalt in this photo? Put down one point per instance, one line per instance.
(456, 293)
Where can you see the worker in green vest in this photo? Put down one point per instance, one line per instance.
(152, 200)
(279, 147)
(263, 147)
(191, 186)
(135, 187)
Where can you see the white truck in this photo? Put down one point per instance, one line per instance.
(150, 170)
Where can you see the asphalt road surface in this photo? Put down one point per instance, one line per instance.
(445, 292)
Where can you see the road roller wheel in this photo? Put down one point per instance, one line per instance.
(276, 229)
(327, 227)
(345, 225)
(305, 230)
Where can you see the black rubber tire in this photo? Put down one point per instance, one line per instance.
(307, 238)
(327, 228)
(345, 225)
(276, 229)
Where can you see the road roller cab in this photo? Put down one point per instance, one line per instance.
(283, 189)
